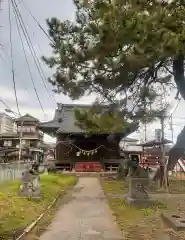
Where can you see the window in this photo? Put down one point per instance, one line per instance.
(32, 129)
(59, 120)
(23, 142)
(25, 129)
(7, 143)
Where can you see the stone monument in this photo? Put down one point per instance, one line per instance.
(138, 186)
(30, 184)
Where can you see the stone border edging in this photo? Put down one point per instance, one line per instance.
(34, 223)
(29, 228)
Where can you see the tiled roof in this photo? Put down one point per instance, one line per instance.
(4, 150)
(64, 119)
(9, 134)
(27, 118)
(155, 143)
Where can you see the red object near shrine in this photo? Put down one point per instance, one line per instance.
(88, 167)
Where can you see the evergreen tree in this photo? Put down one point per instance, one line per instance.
(131, 53)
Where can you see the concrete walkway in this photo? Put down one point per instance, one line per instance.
(86, 217)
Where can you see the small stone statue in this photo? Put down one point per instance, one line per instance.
(30, 183)
(130, 168)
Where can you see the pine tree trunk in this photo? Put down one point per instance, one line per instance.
(178, 149)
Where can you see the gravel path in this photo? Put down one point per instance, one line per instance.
(86, 217)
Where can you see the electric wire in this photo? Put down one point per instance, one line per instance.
(1, 56)
(29, 11)
(8, 64)
(6, 106)
(30, 45)
(29, 69)
(11, 50)
(40, 49)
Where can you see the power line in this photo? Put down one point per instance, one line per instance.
(29, 69)
(12, 61)
(3, 102)
(40, 49)
(26, 7)
(33, 52)
(30, 45)
(7, 63)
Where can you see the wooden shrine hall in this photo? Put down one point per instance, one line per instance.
(76, 150)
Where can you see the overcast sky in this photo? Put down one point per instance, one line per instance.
(43, 9)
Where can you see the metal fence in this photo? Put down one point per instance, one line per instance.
(11, 171)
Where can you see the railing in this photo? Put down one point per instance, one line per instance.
(11, 171)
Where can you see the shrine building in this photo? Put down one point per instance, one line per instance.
(77, 150)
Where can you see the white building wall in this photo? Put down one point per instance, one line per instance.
(6, 123)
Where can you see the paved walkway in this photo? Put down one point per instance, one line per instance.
(86, 217)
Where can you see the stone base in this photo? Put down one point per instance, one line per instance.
(138, 203)
(174, 221)
(36, 198)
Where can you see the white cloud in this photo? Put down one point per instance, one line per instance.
(8, 95)
(84, 100)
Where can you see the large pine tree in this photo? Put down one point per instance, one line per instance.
(131, 53)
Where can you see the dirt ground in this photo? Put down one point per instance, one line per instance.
(146, 224)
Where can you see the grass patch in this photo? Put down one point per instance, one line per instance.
(121, 187)
(17, 212)
(130, 219)
(115, 186)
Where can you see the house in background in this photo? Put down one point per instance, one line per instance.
(32, 137)
(127, 142)
(7, 124)
(130, 146)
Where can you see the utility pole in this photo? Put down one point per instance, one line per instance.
(171, 127)
(20, 134)
(164, 162)
(145, 123)
(145, 131)
(162, 139)
(20, 142)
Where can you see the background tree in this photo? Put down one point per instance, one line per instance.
(131, 53)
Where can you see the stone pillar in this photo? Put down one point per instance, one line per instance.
(138, 193)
